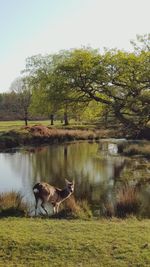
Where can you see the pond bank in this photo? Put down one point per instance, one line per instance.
(39, 134)
(36, 135)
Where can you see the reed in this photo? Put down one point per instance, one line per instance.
(72, 209)
(136, 149)
(12, 204)
(127, 201)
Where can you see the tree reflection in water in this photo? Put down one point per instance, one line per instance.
(96, 168)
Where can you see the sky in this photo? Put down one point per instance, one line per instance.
(31, 27)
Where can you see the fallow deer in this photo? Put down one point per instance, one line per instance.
(48, 193)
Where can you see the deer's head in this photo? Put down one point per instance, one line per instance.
(70, 186)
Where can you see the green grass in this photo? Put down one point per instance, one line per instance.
(45, 242)
(15, 125)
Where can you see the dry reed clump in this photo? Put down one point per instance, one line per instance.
(43, 131)
(127, 201)
(108, 210)
(12, 204)
(79, 209)
(75, 209)
(37, 130)
(136, 149)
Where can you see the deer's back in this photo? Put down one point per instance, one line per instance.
(44, 191)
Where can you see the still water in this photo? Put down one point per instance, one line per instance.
(97, 168)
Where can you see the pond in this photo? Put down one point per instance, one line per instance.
(98, 169)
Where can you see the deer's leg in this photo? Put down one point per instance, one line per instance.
(57, 208)
(42, 205)
(36, 205)
(54, 209)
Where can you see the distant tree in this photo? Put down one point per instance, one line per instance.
(22, 90)
(8, 103)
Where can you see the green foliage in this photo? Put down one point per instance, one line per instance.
(93, 111)
(117, 79)
(142, 43)
(64, 84)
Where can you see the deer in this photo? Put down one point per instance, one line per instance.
(50, 194)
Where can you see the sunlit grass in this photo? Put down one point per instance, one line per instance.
(72, 243)
(14, 125)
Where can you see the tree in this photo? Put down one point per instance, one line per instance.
(50, 94)
(23, 92)
(40, 69)
(142, 43)
(117, 79)
(8, 103)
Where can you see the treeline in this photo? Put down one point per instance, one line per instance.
(85, 84)
(11, 108)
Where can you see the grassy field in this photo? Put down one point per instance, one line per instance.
(47, 242)
(14, 125)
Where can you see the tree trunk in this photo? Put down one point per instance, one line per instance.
(26, 118)
(66, 122)
(66, 118)
(26, 121)
(52, 119)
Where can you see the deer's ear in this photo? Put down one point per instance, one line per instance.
(67, 182)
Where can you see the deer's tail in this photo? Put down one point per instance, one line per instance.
(36, 188)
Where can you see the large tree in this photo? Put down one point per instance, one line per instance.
(117, 79)
(141, 43)
(51, 94)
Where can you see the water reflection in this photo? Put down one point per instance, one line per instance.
(96, 168)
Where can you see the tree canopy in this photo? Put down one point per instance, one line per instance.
(75, 81)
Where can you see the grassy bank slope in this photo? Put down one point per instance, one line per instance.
(43, 242)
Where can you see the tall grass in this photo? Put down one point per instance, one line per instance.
(80, 209)
(127, 202)
(136, 149)
(12, 204)
(72, 209)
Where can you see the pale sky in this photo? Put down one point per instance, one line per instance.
(30, 27)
